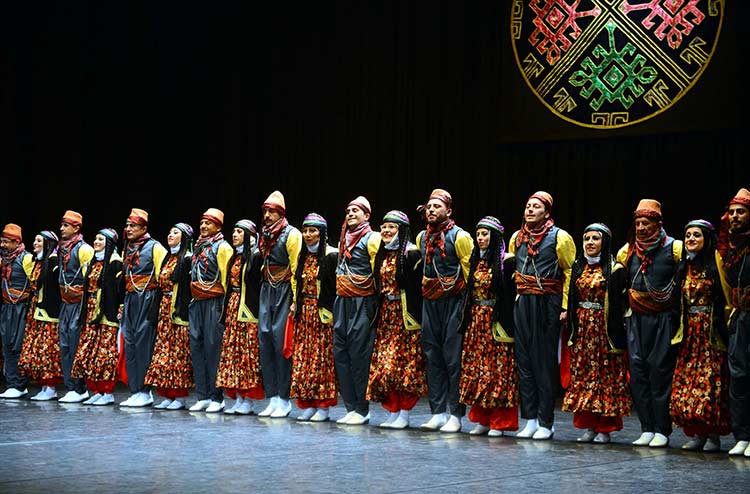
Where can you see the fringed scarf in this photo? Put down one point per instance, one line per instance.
(133, 251)
(435, 238)
(8, 259)
(349, 238)
(270, 235)
(202, 246)
(65, 247)
(533, 237)
(645, 249)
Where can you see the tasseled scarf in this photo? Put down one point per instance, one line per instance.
(435, 239)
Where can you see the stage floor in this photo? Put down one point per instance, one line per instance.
(61, 448)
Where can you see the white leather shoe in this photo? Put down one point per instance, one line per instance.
(199, 405)
(543, 433)
(177, 404)
(387, 423)
(91, 400)
(283, 408)
(345, 419)
(435, 423)
(479, 430)
(142, 399)
(129, 401)
(713, 444)
(402, 422)
(587, 436)
(452, 425)
(644, 439)
(13, 393)
(45, 394)
(105, 399)
(233, 409)
(495, 433)
(215, 406)
(358, 419)
(269, 408)
(245, 408)
(602, 438)
(739, 448)
(695, 443)
(322, 415)
(70, 397)
(529, 429)
(164, 404)
(307, 414)
(659, 441)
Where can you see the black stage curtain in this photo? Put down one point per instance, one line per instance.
(175, 107)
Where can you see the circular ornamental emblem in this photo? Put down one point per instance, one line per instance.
(605, 64)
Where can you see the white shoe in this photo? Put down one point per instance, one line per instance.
(391, 417)
(402, 422)
(644, 440)
(129, 401)
(177, 404)
(269, 408)
(71, 397)
(283, 408)
(713, 444)
(587, 436)
(739, 448)
(452, 425)
(696, 443)
(233, 409)
(529, 429)
(143, 399)
(495, 433)
(91, 400)
(46, 394)
(543, 433)
(345, 419)
(307, 414)
(105, 399)
(199, 405)
(358, 419)
(435, 423)
(659, 441)
(602, 438)
(245, 408)
(164, 404)
(215, 406)
(479, 430)
(13, 393)
(320, 416)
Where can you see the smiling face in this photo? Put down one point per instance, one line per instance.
(694, 239)
(355, 216)
(38, 244)
(592, 243)
(174, 238)
(388, 231)
(100, 242)
(207, 228)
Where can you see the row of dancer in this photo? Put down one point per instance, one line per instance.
(464, 320)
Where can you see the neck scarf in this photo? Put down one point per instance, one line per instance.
(99, 256)
(349, 238)
(313, 248)
(533, 237)
(435, 238)
(645, 249)
(731, 245)
(66, 246)
(8, 259)
(270, 235)
(204, 244)
(133, 251)
(393, 244)
(592, 260)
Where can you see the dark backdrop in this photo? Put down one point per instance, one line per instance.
(175, 107)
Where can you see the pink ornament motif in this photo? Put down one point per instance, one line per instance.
(677, 19)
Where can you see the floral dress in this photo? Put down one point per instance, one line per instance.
(397, 365)
(40, 354)
(239, 364)
(598, 376)
(313, 369)
(171, 366)
(700, 387)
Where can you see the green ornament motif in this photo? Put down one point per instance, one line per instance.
(612, 63)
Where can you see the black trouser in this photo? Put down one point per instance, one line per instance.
(272, 315)
(206, 335)
(139, 335)
(12, 324)
(739, 371)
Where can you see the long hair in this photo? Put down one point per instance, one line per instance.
(705, 259)
(110, 246)
(49, 244)
(404, 240)
(580, 262)
(494, 258)
(186, 248)
(320, 254)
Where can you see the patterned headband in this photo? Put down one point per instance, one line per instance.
(49, 235)
(700, 224)
(599, 227)
(315, 220)
(186, 229)
(109, 233)
(491, 223)
(247, 225)
(396, 216)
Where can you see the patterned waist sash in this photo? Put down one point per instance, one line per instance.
(139, 283)
(740, 298)
(275, 274)
(354, 285)
(71, 294)
(204, 292)
(527, 284)
(447, 286)
(644, 303)
(12, 296)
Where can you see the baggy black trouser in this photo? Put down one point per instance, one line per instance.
(537, 320)
(12, 324)
(139, 335)
(206, 335)
(69, 333)
(739, 372)
(652, 359)
(272, 315)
